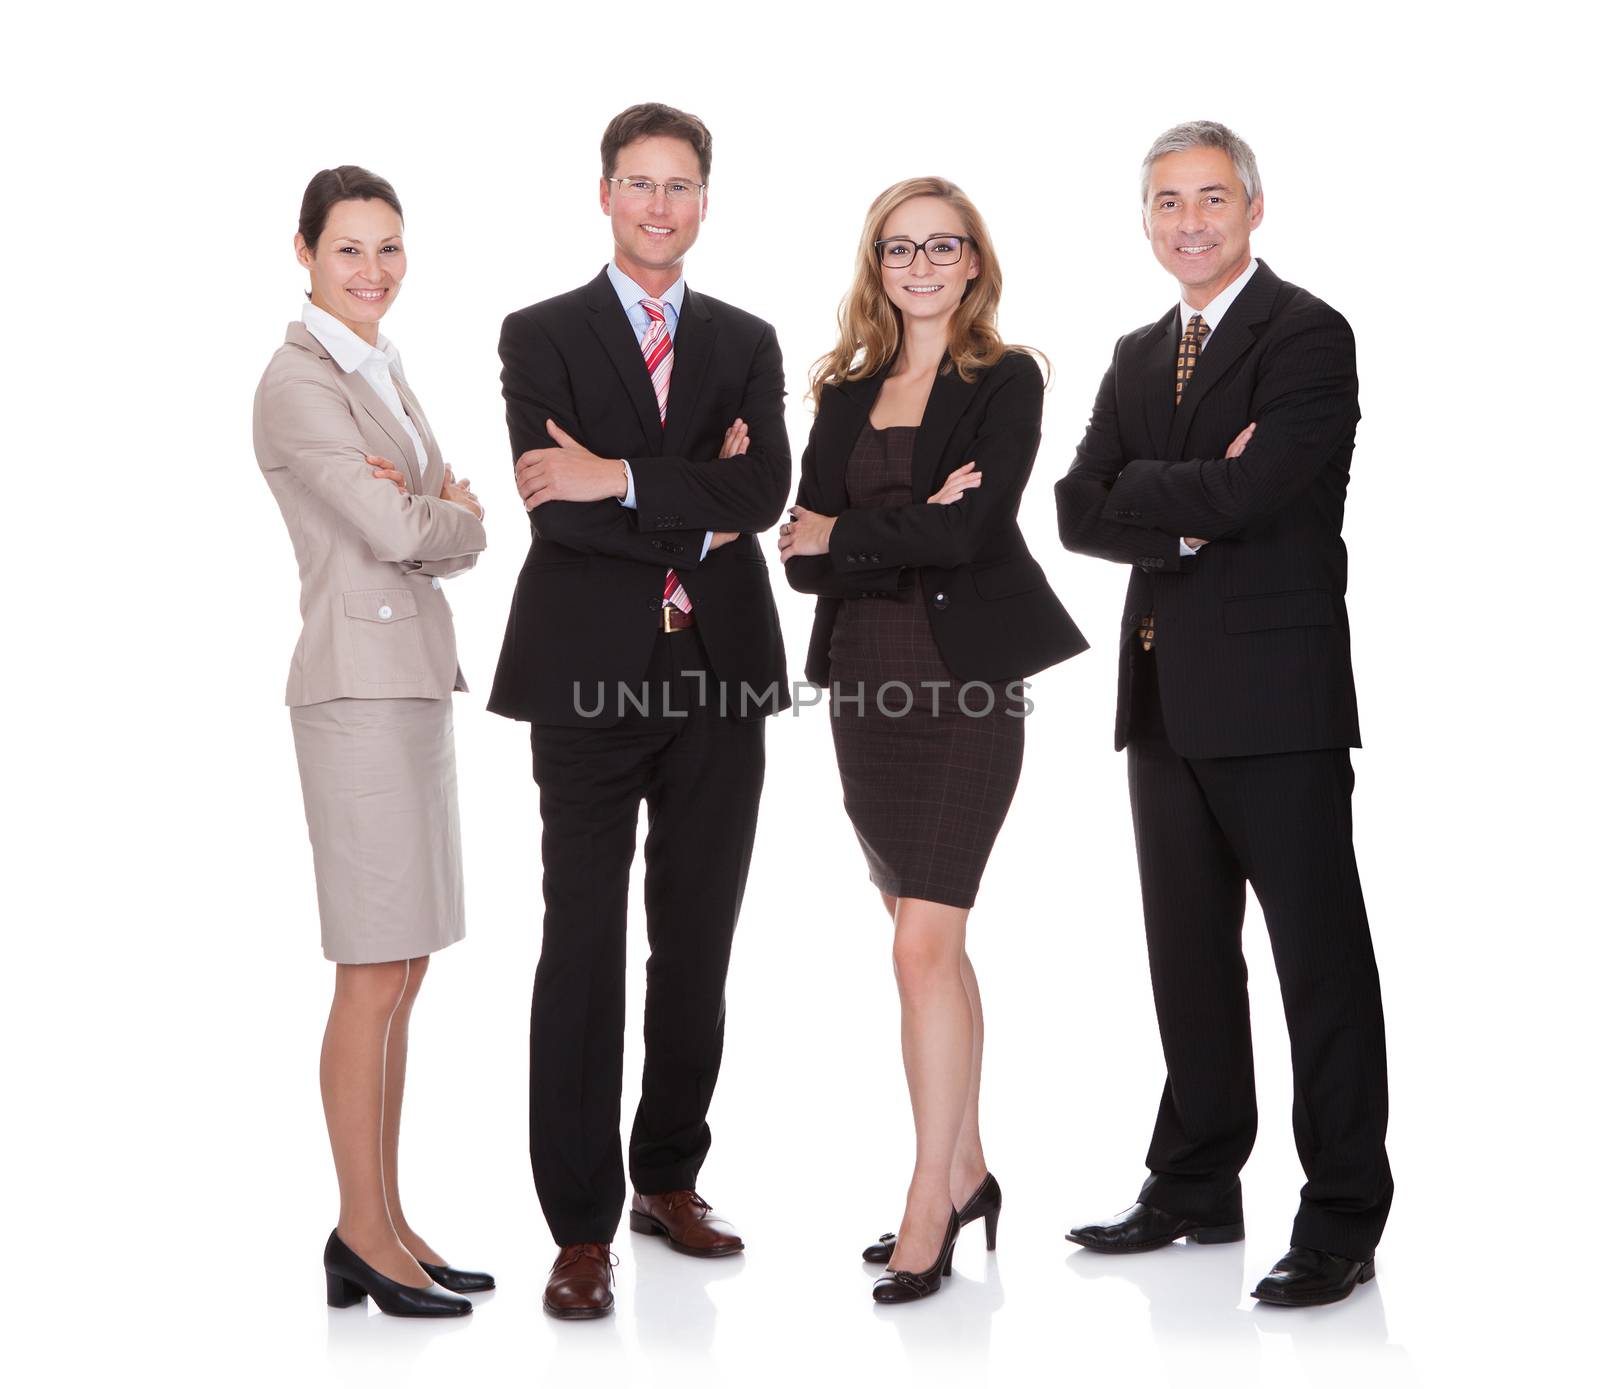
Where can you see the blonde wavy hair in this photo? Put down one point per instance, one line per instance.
(870, 326)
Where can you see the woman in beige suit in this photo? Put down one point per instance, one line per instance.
(377, 521)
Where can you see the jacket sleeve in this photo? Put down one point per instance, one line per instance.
(534, 381)
(315, 438)
(1305, 413)
(815, 573)
(1083, 495)
(743, 494)
(444, 568)
(927, 534)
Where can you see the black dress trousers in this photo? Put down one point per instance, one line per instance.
(1204, 827)
(699, 774)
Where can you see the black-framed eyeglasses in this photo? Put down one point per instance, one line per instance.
(899, 251)
(678, 190)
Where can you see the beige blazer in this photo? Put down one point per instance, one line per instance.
(376, 623)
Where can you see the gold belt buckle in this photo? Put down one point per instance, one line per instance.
(668, 612)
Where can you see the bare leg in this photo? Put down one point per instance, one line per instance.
(394, 1089)
(936, 1041)
(365, 998)
(970, 1167)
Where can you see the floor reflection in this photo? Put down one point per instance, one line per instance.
(954, 1323)
(1193, 1291)
(361, 1335)
(673, 1308)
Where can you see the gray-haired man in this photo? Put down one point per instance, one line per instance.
(1215, 464)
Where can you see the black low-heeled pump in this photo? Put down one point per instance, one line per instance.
(458, 1280)
(351, 1278)
(984, 1202)
(899, 1286)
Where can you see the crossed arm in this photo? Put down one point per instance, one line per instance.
(865, 549)
(1127, 510)
(571, 494)
(320, 446)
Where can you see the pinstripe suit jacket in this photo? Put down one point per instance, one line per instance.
(1252, 639)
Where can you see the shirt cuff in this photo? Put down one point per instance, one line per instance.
(1183, 549)
(629, 500)
(705, 549)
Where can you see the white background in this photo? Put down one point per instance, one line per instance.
(167, 1184)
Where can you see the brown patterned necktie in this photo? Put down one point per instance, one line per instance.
(1189, 352)
(1188, 355)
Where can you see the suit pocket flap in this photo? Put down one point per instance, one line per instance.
(1260, 612)
(1007, 576)
(380, 604)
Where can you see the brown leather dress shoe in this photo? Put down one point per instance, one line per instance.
(690, 1225)
(580, 1282)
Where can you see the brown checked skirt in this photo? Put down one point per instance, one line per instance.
(926, 785)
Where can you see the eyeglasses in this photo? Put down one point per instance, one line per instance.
(901, 251)
(677, 190)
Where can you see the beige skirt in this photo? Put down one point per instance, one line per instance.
(379, 780)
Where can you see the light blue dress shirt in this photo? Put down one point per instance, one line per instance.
(631, 294)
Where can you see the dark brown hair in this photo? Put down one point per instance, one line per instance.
(330, 186)
(652, 118)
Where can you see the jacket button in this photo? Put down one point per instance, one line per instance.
(385, 613)
(940, 601)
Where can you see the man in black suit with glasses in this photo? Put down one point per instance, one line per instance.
(643, 646)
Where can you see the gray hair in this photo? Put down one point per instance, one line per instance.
(1203, 135)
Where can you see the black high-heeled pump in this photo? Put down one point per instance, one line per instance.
(984, 1202)
(899, 1286)
(458, 1280)
(351, 1278)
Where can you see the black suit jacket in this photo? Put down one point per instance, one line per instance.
(587, 606)
(1252, 640)
(993, 615)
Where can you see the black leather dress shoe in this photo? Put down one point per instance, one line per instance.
(458, 1280)
(1142, 1227)
(351, 1279)
(1311, 1277)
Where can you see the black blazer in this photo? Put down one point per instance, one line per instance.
(1252, 639)
(587, 606)
(993, 615)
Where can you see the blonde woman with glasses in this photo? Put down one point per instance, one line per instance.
(930, 614)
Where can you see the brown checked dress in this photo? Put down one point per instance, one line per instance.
(926, 785)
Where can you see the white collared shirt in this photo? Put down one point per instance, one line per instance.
(377, 364)
(1211, 315)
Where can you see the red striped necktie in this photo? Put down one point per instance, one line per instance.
(657, 348)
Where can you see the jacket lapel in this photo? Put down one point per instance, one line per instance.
(1160, 381)
(848, 417)
(692, 347)
(1234, 337)
(947, 402)
(433, 464)
(356, 384)
(611, 326)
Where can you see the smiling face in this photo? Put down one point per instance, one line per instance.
(920, 289)
(1199, 221)
(653, 233)
(357, 264)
